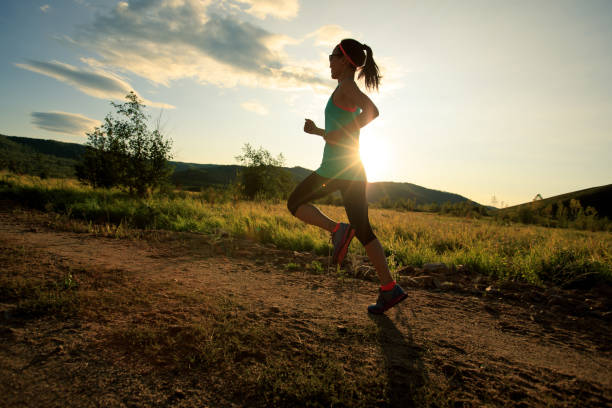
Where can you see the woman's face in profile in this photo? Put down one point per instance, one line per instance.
(336, 62)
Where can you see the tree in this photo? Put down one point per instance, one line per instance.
(263, 176)
(124, 152)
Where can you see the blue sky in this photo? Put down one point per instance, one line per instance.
(479, 98)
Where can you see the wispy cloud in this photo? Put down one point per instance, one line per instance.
(329, 35)
(45, 8)
(63, 122)
(96, 83)
(284, 9)
(165, 40)
(254, 106)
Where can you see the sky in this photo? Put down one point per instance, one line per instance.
(495, 100)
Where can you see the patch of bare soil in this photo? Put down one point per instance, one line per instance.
(187, 320)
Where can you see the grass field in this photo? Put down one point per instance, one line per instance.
(534, 254)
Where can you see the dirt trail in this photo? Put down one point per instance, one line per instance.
(489, 351)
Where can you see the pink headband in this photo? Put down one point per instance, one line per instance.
(346, 55)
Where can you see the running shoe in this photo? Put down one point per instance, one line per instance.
(341, 240)
(387, 299)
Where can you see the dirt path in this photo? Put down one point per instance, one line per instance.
(482, 351)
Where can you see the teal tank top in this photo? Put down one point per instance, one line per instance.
(342, 160)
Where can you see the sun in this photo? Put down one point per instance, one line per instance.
(375, 156)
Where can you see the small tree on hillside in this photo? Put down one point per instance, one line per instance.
(263, 175)
(124, 152)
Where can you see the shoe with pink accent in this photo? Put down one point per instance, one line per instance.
(387, 299)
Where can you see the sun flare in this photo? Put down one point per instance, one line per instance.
(375, 157)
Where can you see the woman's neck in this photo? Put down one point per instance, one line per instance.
(348, 75)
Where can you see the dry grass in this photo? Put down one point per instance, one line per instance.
(517, 252)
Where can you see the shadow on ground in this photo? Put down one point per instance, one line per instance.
(406, 375)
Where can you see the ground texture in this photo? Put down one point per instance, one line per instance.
(179, 319)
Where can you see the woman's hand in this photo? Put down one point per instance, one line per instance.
(310, 127)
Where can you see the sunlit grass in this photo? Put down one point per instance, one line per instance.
(530, 253)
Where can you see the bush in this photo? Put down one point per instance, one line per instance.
(263, 177)
(124, 152)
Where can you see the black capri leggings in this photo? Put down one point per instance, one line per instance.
(353, 196)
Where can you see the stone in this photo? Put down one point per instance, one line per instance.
(556, 300)
(408, 282)
(492, 310)
(447, 286)
(8, 332)
(518, 395)
(436, 268)
(491, 291)
(426, 282)
(556, 308)
(407, 270)
(512, 286)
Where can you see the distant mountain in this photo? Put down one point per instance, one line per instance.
(599, 198)
(50, 147)
(421, 195)
(57, 159)
(45, 158)
(193, 176)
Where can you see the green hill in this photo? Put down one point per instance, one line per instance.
(403, 191)
(50, 147)
(600, 198)
(57, 159)
(44, 158)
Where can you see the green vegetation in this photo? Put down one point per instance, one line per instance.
(561, 213)
(21, 156)
(504, 250)
(123, 152)
(598, 198)
(463, 208)
(263, 175)
(50, 158)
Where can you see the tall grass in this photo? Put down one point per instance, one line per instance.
(529, 253)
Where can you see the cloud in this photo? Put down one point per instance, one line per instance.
(329, 35)
(63, 122)
(96, 83)
(254, 106)
(166, 40)
(45, 8)
(283, 9)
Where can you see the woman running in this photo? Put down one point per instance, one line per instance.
(347, 111)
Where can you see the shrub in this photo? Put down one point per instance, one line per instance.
(124, 152)
(263, 177)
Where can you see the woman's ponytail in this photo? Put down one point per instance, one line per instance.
(353, 50)
(370, 70)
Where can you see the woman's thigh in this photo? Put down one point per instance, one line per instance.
(311, 188)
